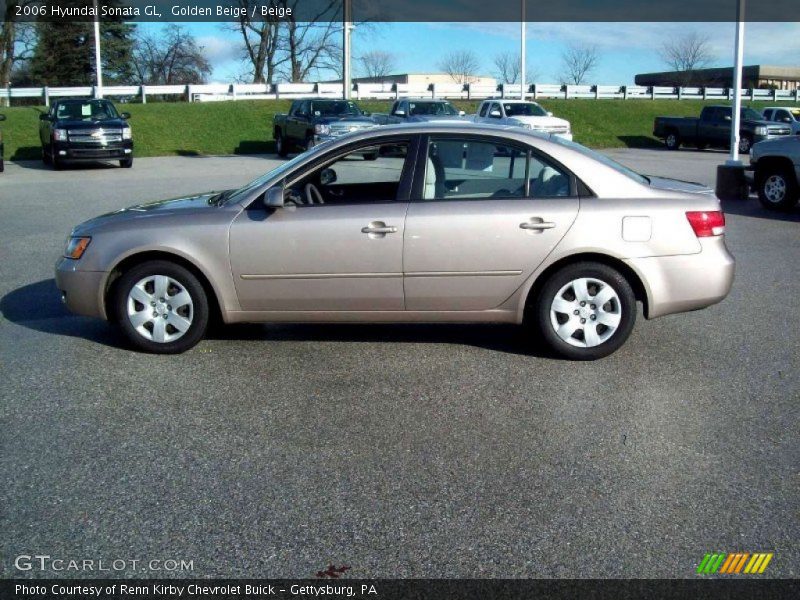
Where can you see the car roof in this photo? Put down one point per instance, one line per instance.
(424, 99)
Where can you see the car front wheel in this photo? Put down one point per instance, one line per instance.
(161, 307)
(126, 163)
(778, 189)
(585, 311)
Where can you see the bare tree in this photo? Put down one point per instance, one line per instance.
(172, 57)
(577, 61)
(461, 65)
(507, 65)
(685, 54)
(377, 63)
(261, 41)
(312, 44)
(17, 40)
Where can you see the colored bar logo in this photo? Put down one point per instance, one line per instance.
(735, 563)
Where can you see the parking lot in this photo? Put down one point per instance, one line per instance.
(402, 450)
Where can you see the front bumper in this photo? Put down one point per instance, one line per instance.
(687, 282)
(81, 291)
(68, 151)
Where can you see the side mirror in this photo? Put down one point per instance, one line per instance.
(366, 113)
(125, 115)
(549, 114)
(461, 113)
(786, 119)
(44, 117)
(495, 114)
(273, 197)
(399, 113)
(727, 117)
(327, 177)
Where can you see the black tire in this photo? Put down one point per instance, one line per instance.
(186, 280)
(2, 165)
(371, 156)
(672, 140)
(55, 162)
(624, 305)
(45, 155)
(126, 163)
(702, 146)
(281, 147)
(777, 188)
(745, 143)
(310, 143)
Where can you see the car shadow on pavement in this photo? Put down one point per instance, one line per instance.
(38, 306)
(510, 339)
(752, 208)
(38, 165)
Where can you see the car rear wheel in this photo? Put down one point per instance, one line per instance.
(161, 307)
(585, 311)
(745, 143)
(778, 189)
(672, 141)
(280, 145)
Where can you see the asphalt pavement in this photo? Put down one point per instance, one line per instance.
(399, 451)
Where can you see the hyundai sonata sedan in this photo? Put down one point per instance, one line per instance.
(449, 222)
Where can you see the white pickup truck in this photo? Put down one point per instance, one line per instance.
(522, 113)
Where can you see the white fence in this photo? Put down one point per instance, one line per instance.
(391, 91)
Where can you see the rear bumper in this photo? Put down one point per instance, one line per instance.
(81, 291)
(76, 152)
(688, 282)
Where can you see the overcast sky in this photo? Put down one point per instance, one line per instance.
(625, 48)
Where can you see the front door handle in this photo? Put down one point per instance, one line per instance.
(537, 225)
(378, 227)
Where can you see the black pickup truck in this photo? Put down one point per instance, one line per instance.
(314, 120)
(713, 128)
(85, 130)
(2, 166)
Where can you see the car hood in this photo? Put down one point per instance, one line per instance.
(183, 206)
(664, 183)
(82, 124)
(346, 119)
(540, 122)
(434, 118)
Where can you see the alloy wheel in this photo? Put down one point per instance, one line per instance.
(775, 189)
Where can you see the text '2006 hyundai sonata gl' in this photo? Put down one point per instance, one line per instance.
(414, 223)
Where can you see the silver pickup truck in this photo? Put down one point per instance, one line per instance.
(420, 110)
(776, 166)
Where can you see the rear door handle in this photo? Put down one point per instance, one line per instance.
(379, 227)
(537, 225)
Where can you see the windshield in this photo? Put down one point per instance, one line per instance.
(603, 159)
(528, 109)
(335, 108)
(431, 108)
(750, 114)
(95, 110)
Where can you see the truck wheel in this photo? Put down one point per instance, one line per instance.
(126, 163)
(45, 156)
(777, 189)
(2, 165)
(310, 143)
(55, 162)
(280, 145)
(745, 143)
(673, 140)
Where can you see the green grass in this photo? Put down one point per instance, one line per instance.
(245, 127)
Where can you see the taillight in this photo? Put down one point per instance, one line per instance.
(707, 223)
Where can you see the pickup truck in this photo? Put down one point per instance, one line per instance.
(713, 128)
(522, 113)
(314, 120)
(789, 115)
(776, 166)
(2, 166)
(419, 110)
(85, 130)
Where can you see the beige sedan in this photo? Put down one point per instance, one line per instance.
(443, 223)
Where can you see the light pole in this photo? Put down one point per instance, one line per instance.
(98, 90)
(347, 30)
(522, 53)
(737, 84)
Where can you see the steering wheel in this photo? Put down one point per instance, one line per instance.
(312, 194)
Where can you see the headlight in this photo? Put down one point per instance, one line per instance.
(60, 135)
(76, 246)
(322, 129)
(761, 130)
(126, 133)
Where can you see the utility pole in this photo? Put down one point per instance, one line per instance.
(522, 53)
(347, 79)
(98, 90)
(737, 85)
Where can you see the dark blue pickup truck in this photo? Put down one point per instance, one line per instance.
(713, 128)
